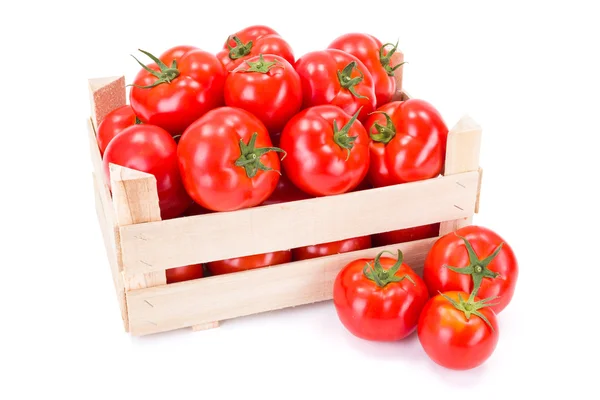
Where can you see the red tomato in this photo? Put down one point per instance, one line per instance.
(456, 333)
(195, 209)
(327, 249)
(151, 149)
(379, 299)
(185, 273)
(284, 192)
(226, 160)
(178, 88)
(268, 87)
(338, 78)
(114, 122)
(376, 57)
(252, 41)
(249, 262)
(406, 235)
(472, 259)
(327, 151)
(409, 143)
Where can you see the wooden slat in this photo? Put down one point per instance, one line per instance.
(191, 240)
(106, 220)
(108, 234)
(135, 200)
(106, 95)
(398, 58)
(229, 296)
(462, 155)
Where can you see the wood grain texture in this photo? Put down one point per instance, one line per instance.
(155, 246)
(398, 58)
(106, 94)
(135, 200)
(462, 155)
(234, 295)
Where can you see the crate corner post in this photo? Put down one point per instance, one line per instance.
(135, 199)
(462, 155)
(106, 95)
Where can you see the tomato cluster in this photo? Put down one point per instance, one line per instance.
(252, 126)
(450, 307)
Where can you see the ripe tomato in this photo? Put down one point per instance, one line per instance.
(252, 41)
(327, 249)
(338, 78)
(409, 142)
(327, 150)
(249, 262)
(473, 259)
(268, 87)
(114, 122)
(376, 57)
(195, 209)
(226, 160)
(151, 149)
(284, 192)
(178, 88)
(185, 273)
(379, 299)
(406, 235)
(456, 333)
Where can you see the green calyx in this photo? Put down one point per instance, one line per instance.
(138, 121)
(472, 307)
(261, 65)
(386, 59)
(384, 133)
(478, 269)
(250, 156)
(165, 75)
(240, 49)
(341, 138)
(383, 277)
(346, 80)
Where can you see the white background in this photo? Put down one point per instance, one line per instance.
(528, 72)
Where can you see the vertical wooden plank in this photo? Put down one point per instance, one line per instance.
(106, 94)
(398, 58)
(135, 200)
(462, 155)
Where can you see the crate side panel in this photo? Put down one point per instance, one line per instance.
(167, 244)
(175, 306)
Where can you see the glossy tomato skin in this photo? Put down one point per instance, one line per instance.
(113, 124)
(185, 273)
(318, 71)
(151, 149)
(406, 235)
(418, 149)
(274, 96)
(366, 48)
(249, 262)
(207, 153)
(315, 163)
(450, 250)
(331, 248)
(284, 192)
(451, 340)
(174, 106)
(264, 41)
(369, 312)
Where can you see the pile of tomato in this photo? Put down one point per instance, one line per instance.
(252, 126)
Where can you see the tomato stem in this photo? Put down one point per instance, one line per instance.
(165, 75)
(240, 49)
(384, 133)
(472, 307)
(346, 80)
(383, 277)
(250, 156)
(477, 268)
(385, 59)
(341, 138)
(261, 65)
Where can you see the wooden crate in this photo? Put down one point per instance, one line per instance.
(140, 247)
